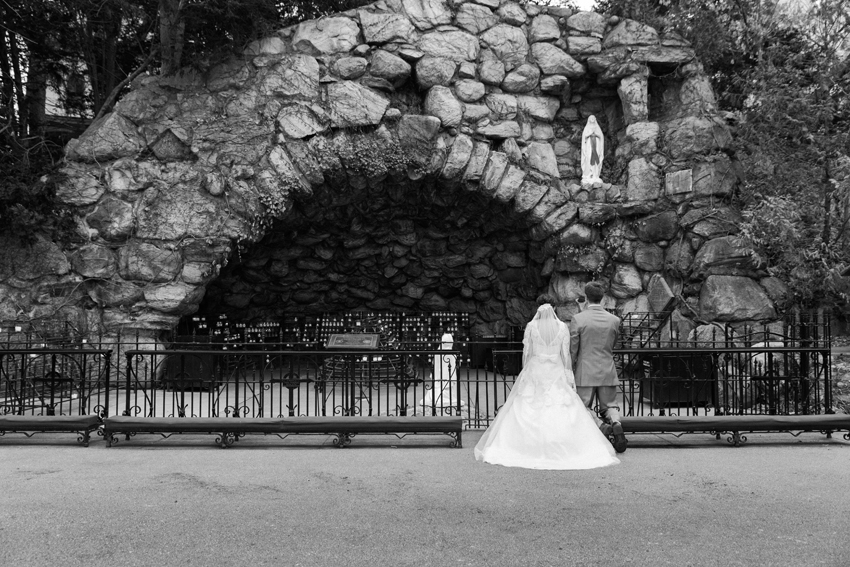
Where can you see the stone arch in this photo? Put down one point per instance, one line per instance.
(485, 96)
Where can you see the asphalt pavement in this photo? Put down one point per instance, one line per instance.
(778, 500)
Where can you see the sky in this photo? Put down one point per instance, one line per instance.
(586, 5)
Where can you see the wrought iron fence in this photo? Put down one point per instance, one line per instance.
(782, 368)
(768, 380)
(54, 381)
(279, 383)
(757, 380)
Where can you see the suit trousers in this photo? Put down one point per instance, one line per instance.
(607, 398)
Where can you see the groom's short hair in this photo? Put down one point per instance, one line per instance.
(594, 291)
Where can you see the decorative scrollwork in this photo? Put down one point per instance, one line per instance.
(343, 439)
(342, 410)
(233, 411)
(736, 439)
(292, 380)
(226, 439)
(847, 436)
(83, 438)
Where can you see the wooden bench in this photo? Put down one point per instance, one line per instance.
(29, 425)
(735, 424)
(230, 429)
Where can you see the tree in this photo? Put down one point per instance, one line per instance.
(795, 142)
(780, 70)
(88, 51)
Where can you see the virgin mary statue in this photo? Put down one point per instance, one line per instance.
(592, 152)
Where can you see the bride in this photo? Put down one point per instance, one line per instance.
(543, 423)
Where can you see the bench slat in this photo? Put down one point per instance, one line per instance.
(648, 424)
(343, 426)
(48, 422)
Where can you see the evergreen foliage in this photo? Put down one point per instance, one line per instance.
(781, 70)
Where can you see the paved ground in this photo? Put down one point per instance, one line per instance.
(776, 501)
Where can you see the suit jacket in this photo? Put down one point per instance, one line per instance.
(593, 333)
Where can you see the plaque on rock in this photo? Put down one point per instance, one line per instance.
(368, 341)
(679, 182)
(661, 297)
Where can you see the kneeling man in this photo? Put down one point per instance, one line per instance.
(593, 334)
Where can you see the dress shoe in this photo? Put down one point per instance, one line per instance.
(620, 442)
(606, 429)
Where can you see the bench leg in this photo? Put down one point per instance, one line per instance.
(108, 437)
(737, 439)
(343, 439)
(457, 439)
(83, 438)
(226, 439)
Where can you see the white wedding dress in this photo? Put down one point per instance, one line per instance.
(543, 423)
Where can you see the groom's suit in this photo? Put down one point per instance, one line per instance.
(593, 333)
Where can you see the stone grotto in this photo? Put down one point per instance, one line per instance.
(410, 155)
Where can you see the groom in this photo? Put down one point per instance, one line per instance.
(593, 334)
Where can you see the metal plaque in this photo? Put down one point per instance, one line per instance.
(368, 341)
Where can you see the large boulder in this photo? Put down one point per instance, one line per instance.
(734, 298)
(178, 298)
(94, 261)
(567, 288)
(544, 28)
(654, 228)
(633, 91)
(508, 43)
(649, 257)
(644, 181)
(659, 295)
(694, 135)
(432, 71)
(110, 137)
(555, 61)
(144, 262)
(351, 104)
(626, 281)
(427, 14)
(391, 67)
(630, 32)
(454, 45)
(441, 103)
(79, 187)
(112, 218)
(475, 18)
(679, 258)
(588, 259)
(176, 213)
(381, 27)
(30, 261)
(724, 256)
(295, 76)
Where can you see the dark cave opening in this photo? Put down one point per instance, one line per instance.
(443, 252)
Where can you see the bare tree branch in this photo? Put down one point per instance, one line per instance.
(110, 100)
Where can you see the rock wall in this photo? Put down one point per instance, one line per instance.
(412, 154)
